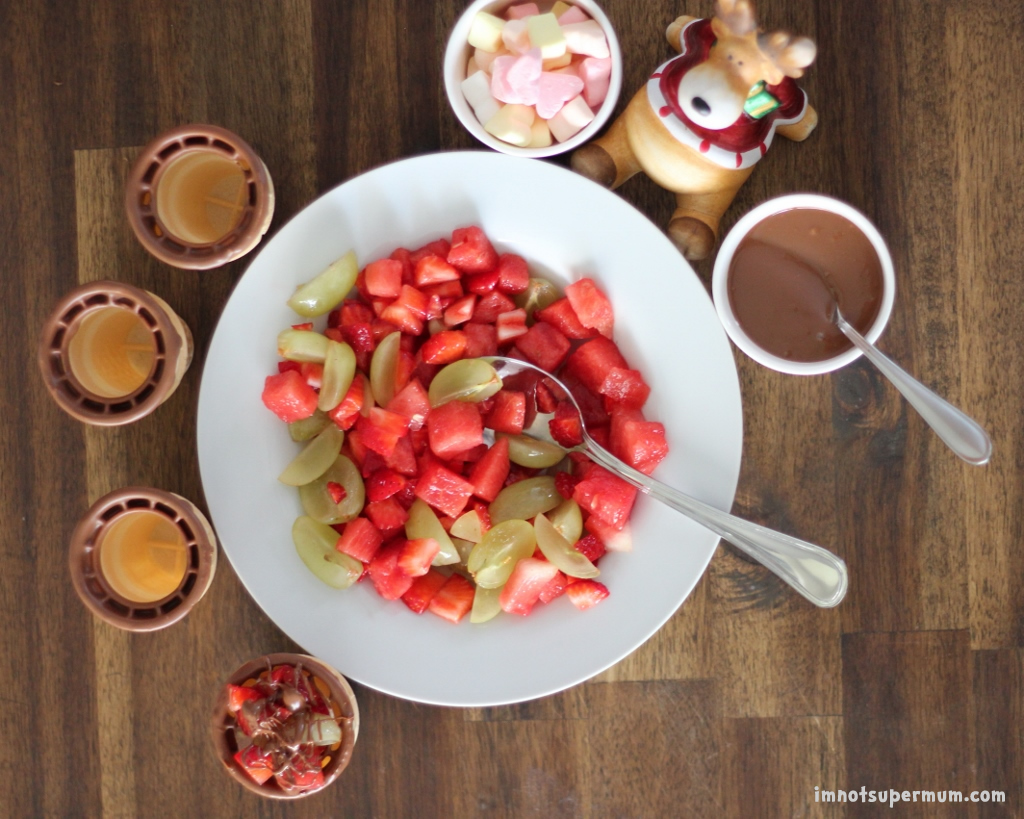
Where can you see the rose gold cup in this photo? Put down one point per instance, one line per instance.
(141, 558)
(340, 696)
(111, 353)
(198, 197)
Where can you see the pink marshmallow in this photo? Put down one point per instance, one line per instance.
(516, 80)
(522, 10)
(586, 38)
(516, 36)
(570, 119)
(573, 15)
(554, 90)
(596, 74)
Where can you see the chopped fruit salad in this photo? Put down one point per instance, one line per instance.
(286, 727)
(415, 473)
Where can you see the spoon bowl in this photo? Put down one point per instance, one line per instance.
(814, 572)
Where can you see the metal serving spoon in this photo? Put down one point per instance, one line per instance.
(816, 573)
(961, 433)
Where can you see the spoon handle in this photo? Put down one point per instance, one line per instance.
(960, 432)
(816, 573)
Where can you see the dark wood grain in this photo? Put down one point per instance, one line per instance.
(748, 698)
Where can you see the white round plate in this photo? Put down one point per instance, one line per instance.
(666, 326)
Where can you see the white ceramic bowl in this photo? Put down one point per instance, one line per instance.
(457, 55)
(666, 327)
(720, 277)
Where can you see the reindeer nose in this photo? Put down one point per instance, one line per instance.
(700, 106)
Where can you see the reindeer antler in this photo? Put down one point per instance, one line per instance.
(790, 54)
(736, 15)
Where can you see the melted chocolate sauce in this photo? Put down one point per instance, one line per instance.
(787, 273)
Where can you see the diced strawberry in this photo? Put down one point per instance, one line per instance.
(445, 291)
(492, 305)
(566, 427)
(417, 555)
(544, 395)
(257, 764)
(481, 339)
(389, 581)
(444, 347)
(404, 368)
(388, 515)
(336, 491)
(359, 336)
(591, 306)
(306, 325)
(402, 318)
(384, 483)
(524, 585)
(489, 473)
(592, 361)
(403, 458)
(433, 269)
(510, 325)
(454, 600)
(313, 373)
(513, 273)
(404, 257)
(346, 413)
(565, 484)
(544, 345)
(483, 514)
(381, 430)
(412, 403)
(384, 278)
(438, 247)
(423, 590)
(639, 443)
(454, 427)
(240, 694)
(586, 593)
(471, 251)
(284, 366)
(508, 413)
(625, 388)
(460, 311)
(614, 540)
(443, 489)
(360, 539)
(355, 312)
(606, 496)
(482, 284)
(308, 778)
(288, 396)
(591, 405)
(591, 547)
(554, 588)
(381, 329)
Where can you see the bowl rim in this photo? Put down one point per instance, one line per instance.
(454, 71)
(720, 276)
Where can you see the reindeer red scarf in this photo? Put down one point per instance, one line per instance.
(706, 117)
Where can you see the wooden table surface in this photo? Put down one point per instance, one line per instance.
(749, 698)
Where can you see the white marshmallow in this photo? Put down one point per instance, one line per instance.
(586, 38)
(477, 91)
(573, 117)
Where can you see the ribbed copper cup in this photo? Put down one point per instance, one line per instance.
(223, 723)
(257, 205)
(172, 346)
(96, 591)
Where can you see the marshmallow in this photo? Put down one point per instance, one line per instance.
(573, 14)
(516, 36)
(485, 32)
(522, 10)
(596, 74)
(512, 124)
(515, 79)
(586, 38)
(560, 8)
(554, 90)
(557, 62)
(485, 59)
(477, 91)
(571, 119)
(540, 134)
(546, 34)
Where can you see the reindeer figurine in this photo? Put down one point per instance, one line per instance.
(706, 117)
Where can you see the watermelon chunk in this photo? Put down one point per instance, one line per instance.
(381, 430)
(513, 273)
(389, 581)
(591, 306)
(544, 345)
(563, 318)
(443, 489)
(625, 388)
(605, 496)
(639, 443)
(508, 412)
(288, 396)
(592, 361)
(471, 251)
(523, 587)
(454, 427)
(384, 278)
(489, 473)
(423, 590)
(360, 539)
(454, 600)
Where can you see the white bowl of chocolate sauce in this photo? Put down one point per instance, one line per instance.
(780, 272)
